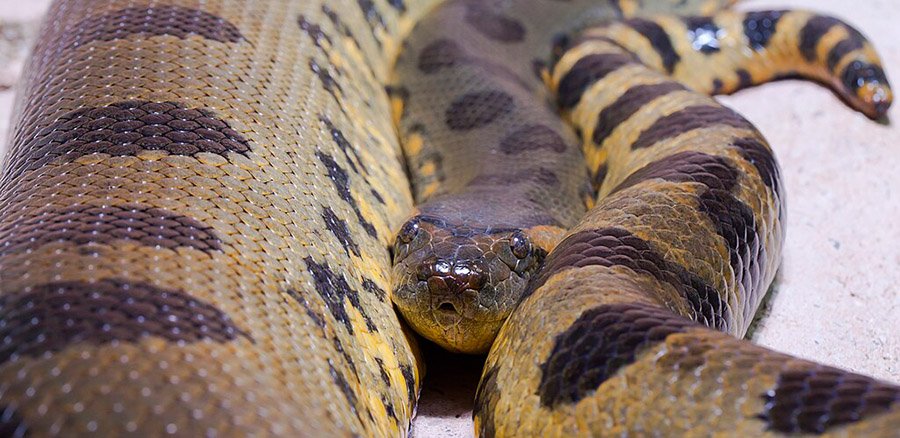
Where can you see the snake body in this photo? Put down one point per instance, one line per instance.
(199, 197)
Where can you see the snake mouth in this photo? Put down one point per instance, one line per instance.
(455, 285)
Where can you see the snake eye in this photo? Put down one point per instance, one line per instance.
(520, 245)
(408, 231)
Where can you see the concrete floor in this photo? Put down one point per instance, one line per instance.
(837, 300)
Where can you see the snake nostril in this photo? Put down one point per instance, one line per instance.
(447, 307)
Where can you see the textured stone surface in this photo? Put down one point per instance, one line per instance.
(836, 300)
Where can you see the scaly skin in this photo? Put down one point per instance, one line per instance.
(194, 224)
(642, 304)
(194, 218)
(496, 174)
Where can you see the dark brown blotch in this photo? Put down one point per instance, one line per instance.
(477, 109)
(493, 25)
(532, 138)
(86, 225)
(129, 128)
(610, 247)
(50, 317)
(441, 53)
(628, 105)
(813, 398)
(689, 119)
(599, 343)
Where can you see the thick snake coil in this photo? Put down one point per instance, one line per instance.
(199, 197)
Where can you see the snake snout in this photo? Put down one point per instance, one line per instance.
(452, 278)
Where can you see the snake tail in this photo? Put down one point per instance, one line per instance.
(730, 51)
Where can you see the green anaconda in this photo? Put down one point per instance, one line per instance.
(202, 198)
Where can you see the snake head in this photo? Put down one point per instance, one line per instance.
(455, 284)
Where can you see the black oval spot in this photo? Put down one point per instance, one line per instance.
(474, 110)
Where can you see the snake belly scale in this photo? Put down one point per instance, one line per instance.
(200, 205)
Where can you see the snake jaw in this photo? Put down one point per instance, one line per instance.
(456, 285)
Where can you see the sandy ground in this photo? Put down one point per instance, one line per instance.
(837, 299)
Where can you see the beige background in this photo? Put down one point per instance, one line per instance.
(837, 299)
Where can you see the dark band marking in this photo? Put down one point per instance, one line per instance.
(335, 291)
(341, 181)
(486, 397)
(478, 109)
(316, 318)
(659, 39)
(600, 176)
(586, 72)
(689, 119)
(85, 224)
(398, 5)
(704, 34)
(346, 148)
(854, 41)
(314, 31)
(627, 105)
(735, 222)
(410, 379)
(532, 138)
(762, 158)
(158, 20)
(373, 18)
(599, 343)
(813, 32)
(345, 388)
(341, 232)
(493, 25)
(711, 171)
(385, 378)
(815, 398)
(731, 218)
(340, 25)
(328, 83)
(759, 27)
(371, 287)
(11, 425)
(50, 317)
(617, 247)
(128, 128)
